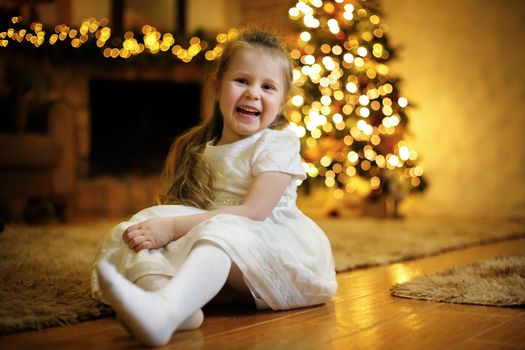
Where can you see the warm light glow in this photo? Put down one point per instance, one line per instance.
(404, 153)
(348, 57)
(326, 100)
(362, 51)
(293, 13)
(365, 127)
(326, 161)
(329, 7)
(316, 133)
(333, 26)
(309, 59)
(374, 19)
(329, 182)
(312, 171)
(353, 157)
(310, 21)
(317, 3)
(351, 87)
(347, 110)
(415, 181)
(298, 100)
(401, 273)
(380, 161)
(364, 112)
(393, 160)
(305, 36)
(375, 182)
(364, 100)
(337, 118)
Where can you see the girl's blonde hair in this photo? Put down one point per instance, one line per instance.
(187, 177)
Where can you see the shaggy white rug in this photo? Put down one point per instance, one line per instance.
(45, 270)
(496, 282)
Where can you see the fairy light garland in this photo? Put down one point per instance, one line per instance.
(151, 41)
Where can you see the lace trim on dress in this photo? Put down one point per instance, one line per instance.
(283, 203)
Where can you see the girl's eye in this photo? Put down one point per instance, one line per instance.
(241, 80)
(268, 87)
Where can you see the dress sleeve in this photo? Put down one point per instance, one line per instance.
(278, 150)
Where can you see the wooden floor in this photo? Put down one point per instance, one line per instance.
(363, 315)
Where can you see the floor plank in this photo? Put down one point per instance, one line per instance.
(425, 329)
(363, 315)
(510, 333)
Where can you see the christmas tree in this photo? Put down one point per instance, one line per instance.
(348, 110)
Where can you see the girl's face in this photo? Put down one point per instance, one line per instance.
(251, 94)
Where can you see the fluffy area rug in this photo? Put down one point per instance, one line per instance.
(45, 276)
(496, 282)
(370, 242)
(45, 270)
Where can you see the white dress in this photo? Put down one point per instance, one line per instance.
(286, 260)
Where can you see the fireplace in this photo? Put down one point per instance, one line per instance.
(134, 122)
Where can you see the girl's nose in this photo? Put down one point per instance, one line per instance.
(252, 92)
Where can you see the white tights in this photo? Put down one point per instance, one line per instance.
(156, 282)
(167, 305)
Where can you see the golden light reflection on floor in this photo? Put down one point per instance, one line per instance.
(401, 273)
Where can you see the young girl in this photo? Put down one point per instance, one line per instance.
(229, 229)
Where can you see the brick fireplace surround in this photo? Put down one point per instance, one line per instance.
(109, 195)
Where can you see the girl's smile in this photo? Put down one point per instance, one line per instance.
(247, 111)
(251, 94)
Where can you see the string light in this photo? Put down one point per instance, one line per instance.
(352, 108)
(152, 41)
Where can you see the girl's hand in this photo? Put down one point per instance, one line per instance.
(150, 234)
